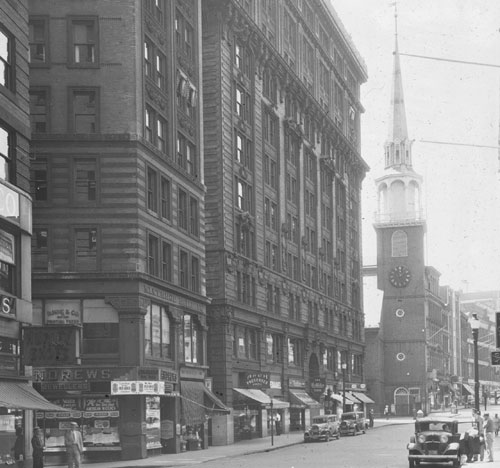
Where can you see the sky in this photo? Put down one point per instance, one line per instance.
(445, 102)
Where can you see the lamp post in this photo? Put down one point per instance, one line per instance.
(344, 367)
(474, 324)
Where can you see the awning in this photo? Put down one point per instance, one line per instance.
(262, 398)
(340, 399)
(303, 399)
(363, 398)
(213, 403)
(192, 402)
(21, 395)
(468, 388)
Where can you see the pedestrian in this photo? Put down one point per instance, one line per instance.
(18, 448)
(38, 444)
(489, 428)
(370, 417)
(278, 424)
(420, 414)
(478, 442)
(386, 411)
(74, 446)
(497, 424)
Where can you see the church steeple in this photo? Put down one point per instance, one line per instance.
(398, 145)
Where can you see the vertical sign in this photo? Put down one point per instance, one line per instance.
(497, 329)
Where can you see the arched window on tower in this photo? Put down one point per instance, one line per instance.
(399, 244)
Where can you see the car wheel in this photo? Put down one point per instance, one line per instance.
(411, 463)
(456, 463)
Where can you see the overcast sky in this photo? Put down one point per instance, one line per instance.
(445, 102)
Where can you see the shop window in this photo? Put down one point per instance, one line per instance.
(100, 338)
(86, 249)
(7, 278)
(191, 340)
(158, 332)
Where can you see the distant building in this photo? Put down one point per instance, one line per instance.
(408, 354)
(283, 172)
(118, 225)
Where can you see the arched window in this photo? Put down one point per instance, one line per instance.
(399, 244)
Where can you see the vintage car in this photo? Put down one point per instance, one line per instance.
(436, 440)
(323, 427)
(352, 423)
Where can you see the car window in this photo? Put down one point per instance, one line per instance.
(348, 416)
(319, 420)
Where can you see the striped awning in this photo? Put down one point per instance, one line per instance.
(21, 395)
(262, 398)
(192, 402)
(362, 398)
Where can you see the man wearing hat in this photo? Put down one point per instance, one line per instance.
(74, 445)
(489, 428)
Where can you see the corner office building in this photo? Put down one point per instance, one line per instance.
(283, 172)
(118, 228)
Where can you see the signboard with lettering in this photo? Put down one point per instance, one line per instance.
(8, 306)
(318, 386)
(296, 383)
(79, 373)
(62, 313)
(9, 203)
(7, 248)
(172, 298)
(44, 345)
(255, 379)
(101, 404)
(137, 387)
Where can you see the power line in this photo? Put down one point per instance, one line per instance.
(441, 59)
(459, 144)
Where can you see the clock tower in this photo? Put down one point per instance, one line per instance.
(400, 228)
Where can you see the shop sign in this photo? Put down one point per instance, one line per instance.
(318, 386)
(153, 373)
(62, 313)
(48, 345)
(9, 202)
(296, 383)
(137, 387)
(78, 373)
(8, 306)
(58, 386)
(256, 380)
(188, 373)
(7, 248)
(172, 298)
(168, 376)
(100, 404)
(275, 383)
(7, 423)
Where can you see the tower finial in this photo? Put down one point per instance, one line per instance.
(395, 5)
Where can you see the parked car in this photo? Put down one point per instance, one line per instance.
(436, 440)
(323, 427)
(352, 423)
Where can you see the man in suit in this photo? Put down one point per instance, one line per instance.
(74, 446)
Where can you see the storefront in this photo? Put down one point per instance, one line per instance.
(362, 400)
(302, 405)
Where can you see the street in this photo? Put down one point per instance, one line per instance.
(381, 448)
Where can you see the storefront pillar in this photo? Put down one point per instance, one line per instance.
(133, 427)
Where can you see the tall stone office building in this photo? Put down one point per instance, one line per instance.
(283, 172)
(118, 236)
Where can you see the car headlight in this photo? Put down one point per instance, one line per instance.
(443, 439)
(421, 439)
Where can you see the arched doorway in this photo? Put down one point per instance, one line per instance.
(402, 401)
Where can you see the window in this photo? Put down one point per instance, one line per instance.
(100, 338)
(6, 60)
(195, 274)
(39, 110)
(148, 124)
(244, 195)
(274, 347)
(161, 134)
(148, 58)
(245, 342)
(277, 300)
(243, 150)
(269, 87)
(160, 70)
(40, 249)
(6, 152)
(166, 261)
(154, 64)
(156, 8)
(39, 182)
(183, 269)
(155, 129)
(38, 40)
(84, 110)
(84, 42)
(158, 332)
(270, 128)
(165, 198)
(241, 59)
(183, 35)
(193, 217)
(245, 288)
(186, 155)
(182, 209)
(188, 213)
(245, 238)
(153, 256)
(243, 104)
(10, 353)
(85, 181)
(191, 340)
(295, 352)
(152, 190)
(86, 249)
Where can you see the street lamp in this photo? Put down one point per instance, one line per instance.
(344, 367)
(474, 324)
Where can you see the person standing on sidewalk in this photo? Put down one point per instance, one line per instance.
(496, 420)
(38, 444)
(74, 446)
(489, 428)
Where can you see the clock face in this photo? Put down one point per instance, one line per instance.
(399, 276)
